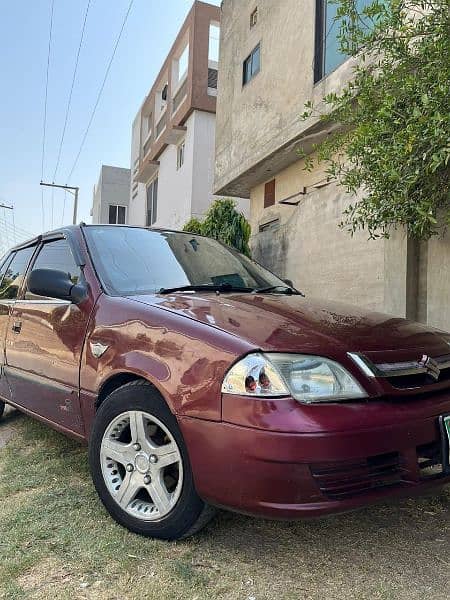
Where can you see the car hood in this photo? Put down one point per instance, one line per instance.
(275, 322)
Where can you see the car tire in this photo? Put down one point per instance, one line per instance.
(2, 408)
(134, 438)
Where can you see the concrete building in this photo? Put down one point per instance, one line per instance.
(275, 56)
(173, 134)
(111, 196)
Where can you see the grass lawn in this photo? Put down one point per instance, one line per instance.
(56, 541)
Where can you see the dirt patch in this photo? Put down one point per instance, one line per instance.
(48, 574)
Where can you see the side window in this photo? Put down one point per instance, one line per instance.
(5, 260)
(13, 277)
(55, 255)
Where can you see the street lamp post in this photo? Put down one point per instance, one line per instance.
(72, 190)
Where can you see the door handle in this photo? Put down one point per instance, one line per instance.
(17, 326)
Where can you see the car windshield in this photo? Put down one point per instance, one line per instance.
(130, 260)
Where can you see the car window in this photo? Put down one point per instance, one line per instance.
(132, 260)
(3, 264)
(13, 277)
(55, 255)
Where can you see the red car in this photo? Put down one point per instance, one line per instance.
(199, 379)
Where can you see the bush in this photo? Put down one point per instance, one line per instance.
(224, 223)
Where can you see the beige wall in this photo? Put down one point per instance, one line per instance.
(438, 282)
(258, 134)
(308, 246)
(258, 119)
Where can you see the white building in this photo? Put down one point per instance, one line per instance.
(111, 196)
(173, 134)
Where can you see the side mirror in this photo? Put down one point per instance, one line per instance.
(289, 283)
(56, 284)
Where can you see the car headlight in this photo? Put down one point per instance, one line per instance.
(306, 378)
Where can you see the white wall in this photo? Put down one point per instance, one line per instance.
(113, 188)
(187, 191)
(137, 205)
(204, 164)
(175, 185)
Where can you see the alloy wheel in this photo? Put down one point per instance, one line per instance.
(141, 465)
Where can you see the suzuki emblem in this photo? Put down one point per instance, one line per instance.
(431, 366)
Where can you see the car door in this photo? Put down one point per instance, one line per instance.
(44, 344)
(12, 272)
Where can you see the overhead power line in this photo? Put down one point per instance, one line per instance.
(44, 128)
(83, 140)
(69, 102)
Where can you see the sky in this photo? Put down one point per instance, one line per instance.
(149, 32)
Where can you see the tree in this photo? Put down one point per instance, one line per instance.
(224, 223)
(394, 142)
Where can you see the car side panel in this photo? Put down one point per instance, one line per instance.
(184, 359)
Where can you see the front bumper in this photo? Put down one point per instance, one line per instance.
(322, 469)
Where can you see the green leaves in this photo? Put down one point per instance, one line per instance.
(396, 117)
(223, 222)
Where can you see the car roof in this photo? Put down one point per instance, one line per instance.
(69, 230)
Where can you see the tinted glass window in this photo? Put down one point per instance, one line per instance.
(3, 264)
(12, 280)
(56, 255)
(328, 54)
(251, 65)
(136, 261)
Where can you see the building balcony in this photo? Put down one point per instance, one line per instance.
(147, 170)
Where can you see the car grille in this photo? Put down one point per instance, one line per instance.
(411, 375)
(345, 479)
(416, 380)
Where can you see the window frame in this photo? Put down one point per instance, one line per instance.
(31, 265)
(181, 151)
(154, 204)
(5, 263)
(320, 42)
(117, 206)
(270, 193)
(21, 289)
(249, 60)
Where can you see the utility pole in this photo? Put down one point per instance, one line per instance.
(72, 190)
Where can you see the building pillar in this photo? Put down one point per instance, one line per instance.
(405, 280)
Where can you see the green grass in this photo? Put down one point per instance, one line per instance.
(57, 541)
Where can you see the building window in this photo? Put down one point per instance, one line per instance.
(152, 202)
(251, 65)
(327, 53)
(214, 42)
(254, 17)
(180, 154)
(269, 193)
(117, 214)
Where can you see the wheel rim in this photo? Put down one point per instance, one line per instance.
(141, 465)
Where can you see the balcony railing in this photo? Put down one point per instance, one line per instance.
(161, 125)
(180, 95)
(147, 145)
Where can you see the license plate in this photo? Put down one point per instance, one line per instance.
(445, 431)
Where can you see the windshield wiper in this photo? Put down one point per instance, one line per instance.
(284, 290)
(221, 287)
